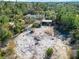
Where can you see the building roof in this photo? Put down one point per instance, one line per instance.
(46, 20)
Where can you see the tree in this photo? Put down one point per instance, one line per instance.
(76, 21)
(50, 15)
(4, 19)
(67, 20)
(19, 25)
(4, 34)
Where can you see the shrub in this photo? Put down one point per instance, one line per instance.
(77, 55)
(10, 47)
(36, 25)
(2, 55)
(49, 51)
(75, 36)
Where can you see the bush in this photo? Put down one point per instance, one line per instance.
(36, 25)
(10, 47)
(77, 55)
(5, 34)
(2, 55)
(75, 36)
(49, 51)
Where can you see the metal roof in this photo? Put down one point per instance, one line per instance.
(46, 20)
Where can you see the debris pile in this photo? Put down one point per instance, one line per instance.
(34, 44)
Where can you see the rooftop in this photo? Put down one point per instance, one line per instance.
(46, 20)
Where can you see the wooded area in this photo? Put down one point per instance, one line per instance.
(13, 21)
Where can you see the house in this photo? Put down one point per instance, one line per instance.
(46, 22)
